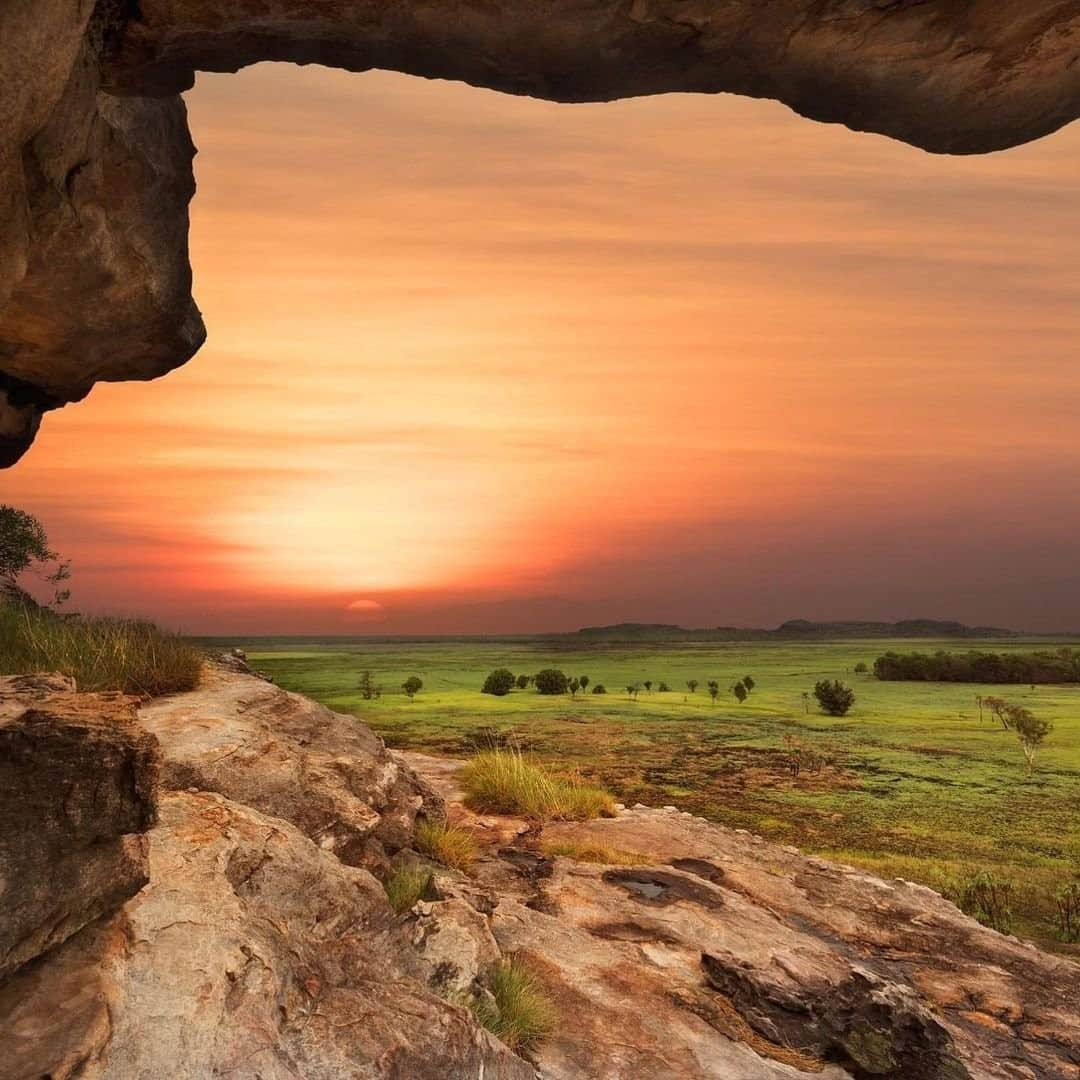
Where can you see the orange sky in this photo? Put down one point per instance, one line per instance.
(483, 364)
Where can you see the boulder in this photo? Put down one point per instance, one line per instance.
(78, 783)
(289, 757)
(250, 954)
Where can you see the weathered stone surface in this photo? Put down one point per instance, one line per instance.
(743, 959)
(251, 954)
(456, 941)
(77, 788)
(94, 277)
(287, 756)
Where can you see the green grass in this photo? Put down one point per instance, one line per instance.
(504, 782)
(917, 787)
(405, 885)
(450, 845)
(523, 1013)
(100, 654)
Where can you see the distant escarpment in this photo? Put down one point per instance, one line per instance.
(796, 630)
(192, 889)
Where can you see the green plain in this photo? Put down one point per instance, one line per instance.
(918, 787)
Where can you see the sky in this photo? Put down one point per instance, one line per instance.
(483, 364)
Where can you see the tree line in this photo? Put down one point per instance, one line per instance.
(1058, 666)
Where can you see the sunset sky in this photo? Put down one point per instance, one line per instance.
(485, 364)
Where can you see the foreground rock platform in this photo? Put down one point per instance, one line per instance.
(96, 158)
(721, 955)
(78, 788)
(256, 950)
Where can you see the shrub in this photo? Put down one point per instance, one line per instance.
(523, 681)
(834, 697)
(740, 692)
(586, 851)
(1067, 899)
(520, 1011)
(448, 844)
(749, 682)
(663, 688)
(503, 782)
(984, 896)
(861, 668)
(100, 654)
(404, 885)
(599, 688)
(551, 681)
(500, 682)
(412, 686)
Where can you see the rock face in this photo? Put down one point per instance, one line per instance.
(78, 782)
(251, 954)
(745, 960)
(95, 158)
(289, 757)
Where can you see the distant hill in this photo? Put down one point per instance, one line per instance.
(795, 630)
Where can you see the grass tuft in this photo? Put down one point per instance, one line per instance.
(504, 782)
(520, 1011)
(405, 885)
(586, 851)
(450, 845)
(100, 654)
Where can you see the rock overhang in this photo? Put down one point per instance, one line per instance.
(95, 155)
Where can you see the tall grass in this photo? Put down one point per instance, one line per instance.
(589, 852)
(100, 654)
(522, 1014)
(450, 845)
(405, 885)
(504, 782)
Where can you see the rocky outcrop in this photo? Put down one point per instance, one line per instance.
(286, 756)
(95, 158)
(78, 781)
(743, 959)
(250, 954)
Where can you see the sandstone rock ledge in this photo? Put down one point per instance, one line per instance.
(257, 951)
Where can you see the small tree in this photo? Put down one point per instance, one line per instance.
(834, 697)
(805, 701)
(499, 683)
(633, 690)
(412, 686)
(1030, 729)
(1067, 899)
(663, 688)
(692, 685)
(740, 692)
(749, 683)
(998, 708)
(714, 689)
(861, 668)
(574, 686)
(979, 702)
(24, 547)
(648, 686)
(584, 681)
(551, 681)
(599, 688)
(367, 687)
(523, 681)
